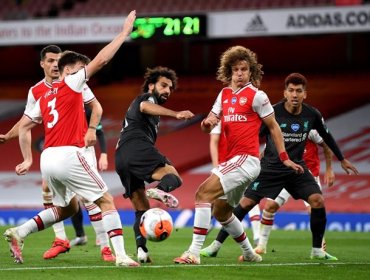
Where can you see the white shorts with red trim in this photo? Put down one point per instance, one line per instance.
(236, 175)
(69, 171)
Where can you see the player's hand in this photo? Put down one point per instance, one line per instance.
(296, 167)
(209, 123)
(90, 138)
(184, 115)
(329, 177)
(129, 23)
(103, 162)
(3, 138)
(22, 168)
(348, 167)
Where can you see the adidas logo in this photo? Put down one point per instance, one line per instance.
(256, 25)
(226, 101)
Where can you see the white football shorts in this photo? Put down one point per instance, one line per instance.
(236, 175)
(69, 171)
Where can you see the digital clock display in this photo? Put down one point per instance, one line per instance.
(160, 27)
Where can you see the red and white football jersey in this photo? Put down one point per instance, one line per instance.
(62, 112)
(36, 91)
(311, 152)
(242, 113)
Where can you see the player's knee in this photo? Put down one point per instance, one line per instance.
(272, 206)
(170, 182)
(316, 200)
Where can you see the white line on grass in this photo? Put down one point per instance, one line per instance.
(183, 266)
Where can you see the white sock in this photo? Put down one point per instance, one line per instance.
(267, 222)
(235, 228)
(96, 220)
(59, 230)
(58, 227)
(317, 252)
(41, 221)
(202, 223)
(112, 224)
(254, 218)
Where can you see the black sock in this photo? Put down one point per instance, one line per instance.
(317, 224)
(240, 213)
(77, 221)
(139, 238)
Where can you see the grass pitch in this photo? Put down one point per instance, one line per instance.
(287, 258)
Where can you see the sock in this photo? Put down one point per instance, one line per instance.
(41, 221)
(235, 228)
(202, 222)
(113, 226)
(96, 219)
(267, 222)
(77, 222)
(240, 213)
(139, 238)
(254, 218)
(317, 224)
(58, 227)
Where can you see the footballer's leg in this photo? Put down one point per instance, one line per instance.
(61, 243)
(141, 204)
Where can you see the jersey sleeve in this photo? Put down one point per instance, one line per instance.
(261, 105)
(30, 103)
(35, 113)
(322, 129)
(217, 106)
(315, 137)
(87, 94)
(77, 80)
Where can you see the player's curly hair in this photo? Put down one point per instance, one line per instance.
(152, 76)
(234, 54)
(71, 58)
(295, 79)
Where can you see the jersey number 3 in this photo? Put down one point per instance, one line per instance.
(53, 112)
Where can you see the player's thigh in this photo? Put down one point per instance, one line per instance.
(301, 186)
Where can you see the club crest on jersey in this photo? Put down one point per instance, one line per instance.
(295, 127)
(242, 101)
(233, 100)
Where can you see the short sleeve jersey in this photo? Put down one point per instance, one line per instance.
(242, 113)
(139, 125)
(36, 91)
(295, 130)
(62, 112)
(311, 152)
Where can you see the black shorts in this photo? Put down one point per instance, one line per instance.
(135, 162)
(272, 180)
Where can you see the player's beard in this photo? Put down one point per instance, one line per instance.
(158, 96)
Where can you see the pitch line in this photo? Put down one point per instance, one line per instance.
(182, 266)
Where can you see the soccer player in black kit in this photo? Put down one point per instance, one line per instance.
(138, 160)
(296, 119)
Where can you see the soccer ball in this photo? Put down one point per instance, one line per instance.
(156, 224)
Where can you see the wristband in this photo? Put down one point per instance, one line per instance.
(92, 127)
(283, 156)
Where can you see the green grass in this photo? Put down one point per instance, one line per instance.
(287, 258)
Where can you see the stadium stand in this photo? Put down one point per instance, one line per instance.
(25, 9)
